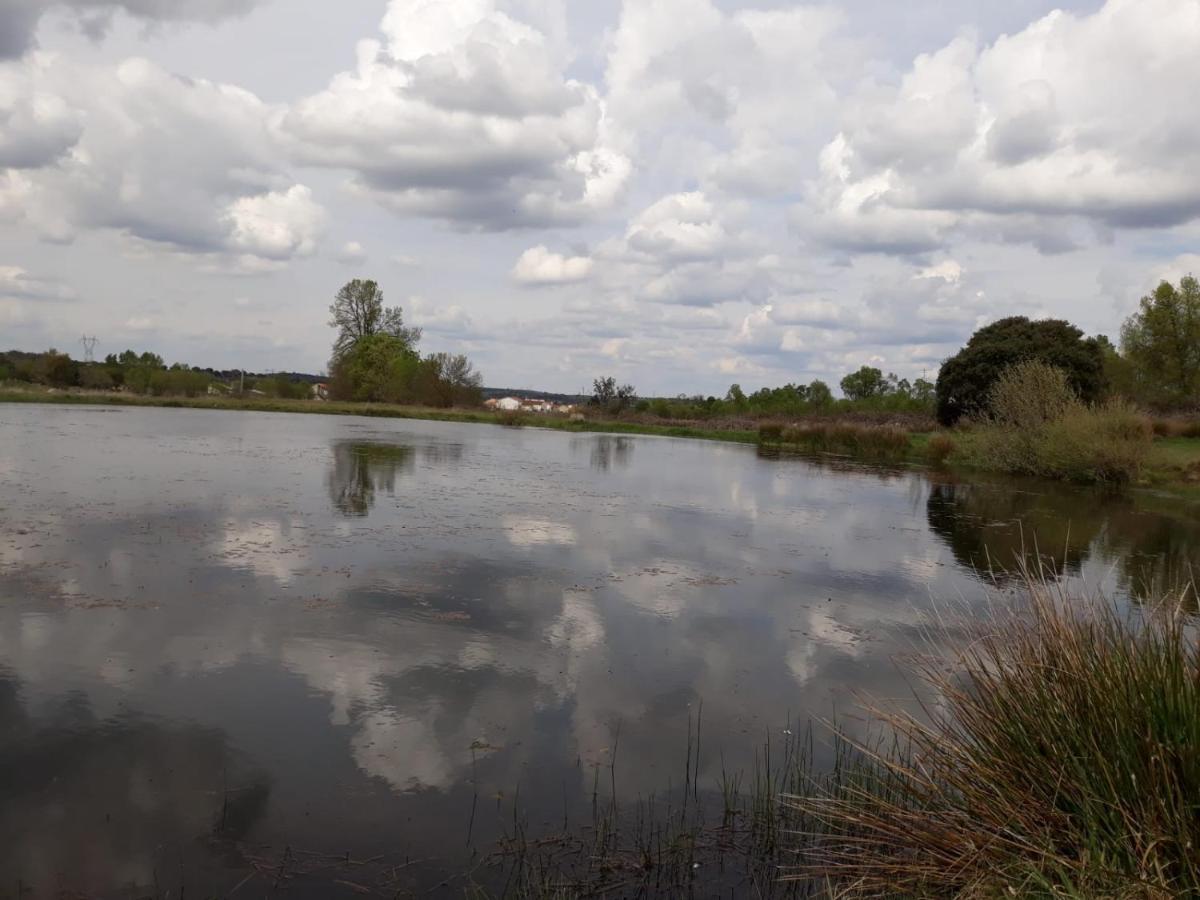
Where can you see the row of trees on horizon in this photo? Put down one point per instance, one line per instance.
(375, 359)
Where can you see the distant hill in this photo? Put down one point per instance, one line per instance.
(489, 393)
(232, 374)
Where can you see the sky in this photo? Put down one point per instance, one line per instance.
(684, 194)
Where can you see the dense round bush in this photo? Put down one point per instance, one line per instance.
(966, 379)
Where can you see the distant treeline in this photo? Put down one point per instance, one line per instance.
(375, 359)
(866, 390)
(144, 373)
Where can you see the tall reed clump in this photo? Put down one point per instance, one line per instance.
(513, 418)
(1038, 426)
(877, 442)
(939, 449)
(1062, 761)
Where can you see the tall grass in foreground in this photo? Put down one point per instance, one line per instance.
(1063, 759)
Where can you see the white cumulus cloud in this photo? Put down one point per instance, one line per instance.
(463, 113)
(1073, 117)
(538, 265)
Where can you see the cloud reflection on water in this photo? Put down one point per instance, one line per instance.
(494, 621)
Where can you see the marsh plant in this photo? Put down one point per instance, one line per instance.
(1037, 425)
(1062, 760)
(1057, 754)
(879, 442)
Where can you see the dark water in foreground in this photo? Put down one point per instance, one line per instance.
(231, 642)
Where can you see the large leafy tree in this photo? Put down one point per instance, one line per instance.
(819, 394)
(358, 312)
(865, 383)
(1161, 341)
(966, 379)
(376, 368)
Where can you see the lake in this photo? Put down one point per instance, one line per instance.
(242, 652)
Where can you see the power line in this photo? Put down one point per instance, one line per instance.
(89, 348)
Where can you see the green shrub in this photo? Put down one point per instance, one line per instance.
(95, 377)
(660, 408)
(870, 441)
(1037, 426)
(513, 418)
(1030, 394)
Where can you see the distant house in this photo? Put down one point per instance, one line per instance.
(320, 391)
(527, 404)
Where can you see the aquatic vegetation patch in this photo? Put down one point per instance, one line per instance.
(1063, 759)
(879, 442)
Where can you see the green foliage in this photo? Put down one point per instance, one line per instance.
(375, 357)
(797, 400)
(383, 368)
(95, 377)
(358, 313)
(868, 441)
(965, 380)
(377, 368)
(1038, 426)
(736, 397)
(178, 381)
(1161, 342)
(142, 373)
(284, 388)
(818, 395)
(1030, 394)
(867, 382)
(56, 369)
(451, 380)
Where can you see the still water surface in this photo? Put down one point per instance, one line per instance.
(227, 637)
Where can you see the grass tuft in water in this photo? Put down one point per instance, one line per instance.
(1063, 760)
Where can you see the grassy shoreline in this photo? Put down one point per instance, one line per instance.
(1174, 463)
(375, 410)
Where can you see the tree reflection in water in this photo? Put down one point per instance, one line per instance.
(995, 528)
(607, 451)
(361, 469)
